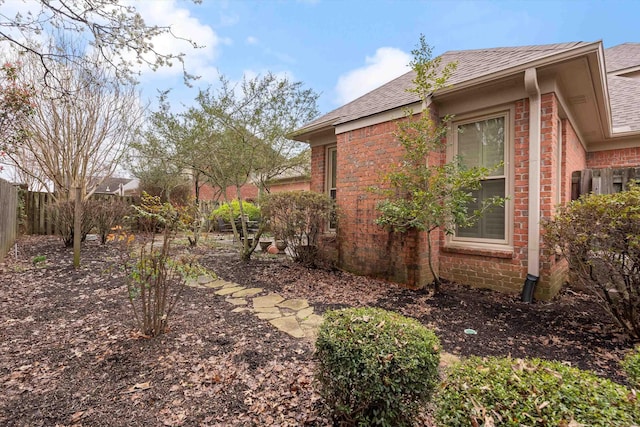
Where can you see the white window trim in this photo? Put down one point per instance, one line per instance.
(508, 112)
(327, 177)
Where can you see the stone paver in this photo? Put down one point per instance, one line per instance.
(293, 316)
(312, 321)
(228, 291)
(268, 316)
(267, 310)
(267, 301)
(293, 304)
(192, 283)
(247, 292)
(217, 284)
(204, 279)
(448, 359)
(236, 301)
(304, 313)
(289, 325)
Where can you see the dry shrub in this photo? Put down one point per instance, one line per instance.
(599, 235)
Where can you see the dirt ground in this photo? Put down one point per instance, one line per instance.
(69, 353)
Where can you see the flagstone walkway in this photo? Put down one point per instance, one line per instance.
(292, 316)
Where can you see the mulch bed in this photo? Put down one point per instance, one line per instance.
(69, 353)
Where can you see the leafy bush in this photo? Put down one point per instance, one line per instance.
(516, 392)
(63, 214)
(375, 367)
(155, 280)
(108, 214)
(631, 365)
(599, 235)
(298, 218)
(230, 213)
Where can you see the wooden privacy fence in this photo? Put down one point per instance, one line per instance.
(8, 216)
(38, 217)
(602, 181)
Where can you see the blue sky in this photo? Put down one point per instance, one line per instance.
(342, 49)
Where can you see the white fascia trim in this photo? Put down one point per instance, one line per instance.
(604, 87)
(533, 241)
(616, 144)
(385, 116)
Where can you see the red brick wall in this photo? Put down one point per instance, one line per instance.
(551, 272)
(290, 186)
(574, 157)
(249, 191)
(318, 168)
(364, 155)
(619, 158)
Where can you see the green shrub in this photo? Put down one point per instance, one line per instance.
(375, 367)
(599, 235)
(631, 365)
(231, 213)
(516, 392)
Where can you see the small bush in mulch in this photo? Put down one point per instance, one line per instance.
(375, 367)
(631, 365)
(533, 392)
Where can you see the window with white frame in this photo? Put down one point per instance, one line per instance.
(484, 143)
(331, 180)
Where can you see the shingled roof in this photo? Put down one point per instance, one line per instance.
(624, 96)
(471, 64)
(622, 57)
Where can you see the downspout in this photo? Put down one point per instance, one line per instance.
(533, 241)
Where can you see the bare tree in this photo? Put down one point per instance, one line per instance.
(77, 141)
(115, 30)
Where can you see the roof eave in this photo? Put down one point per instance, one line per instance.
(303, 133)
(508, 72)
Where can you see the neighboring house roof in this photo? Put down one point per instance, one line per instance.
(624, 96)
(622, 57)
(472, 64)
(112, 185)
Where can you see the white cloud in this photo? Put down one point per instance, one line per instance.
(387, 64)
(183, 24)
(252, 40)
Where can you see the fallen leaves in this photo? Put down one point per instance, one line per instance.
(69, 356)
(138, 387)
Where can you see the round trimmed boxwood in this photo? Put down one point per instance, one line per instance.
(631, 365)
(516, 392)
(375, 367)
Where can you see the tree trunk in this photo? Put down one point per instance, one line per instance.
(77, 227)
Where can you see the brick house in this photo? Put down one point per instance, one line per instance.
(545, 111)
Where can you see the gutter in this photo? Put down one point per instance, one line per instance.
(533, 245)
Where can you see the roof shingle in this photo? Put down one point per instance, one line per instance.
(624, 96)
(471, 64)
(622, 56)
